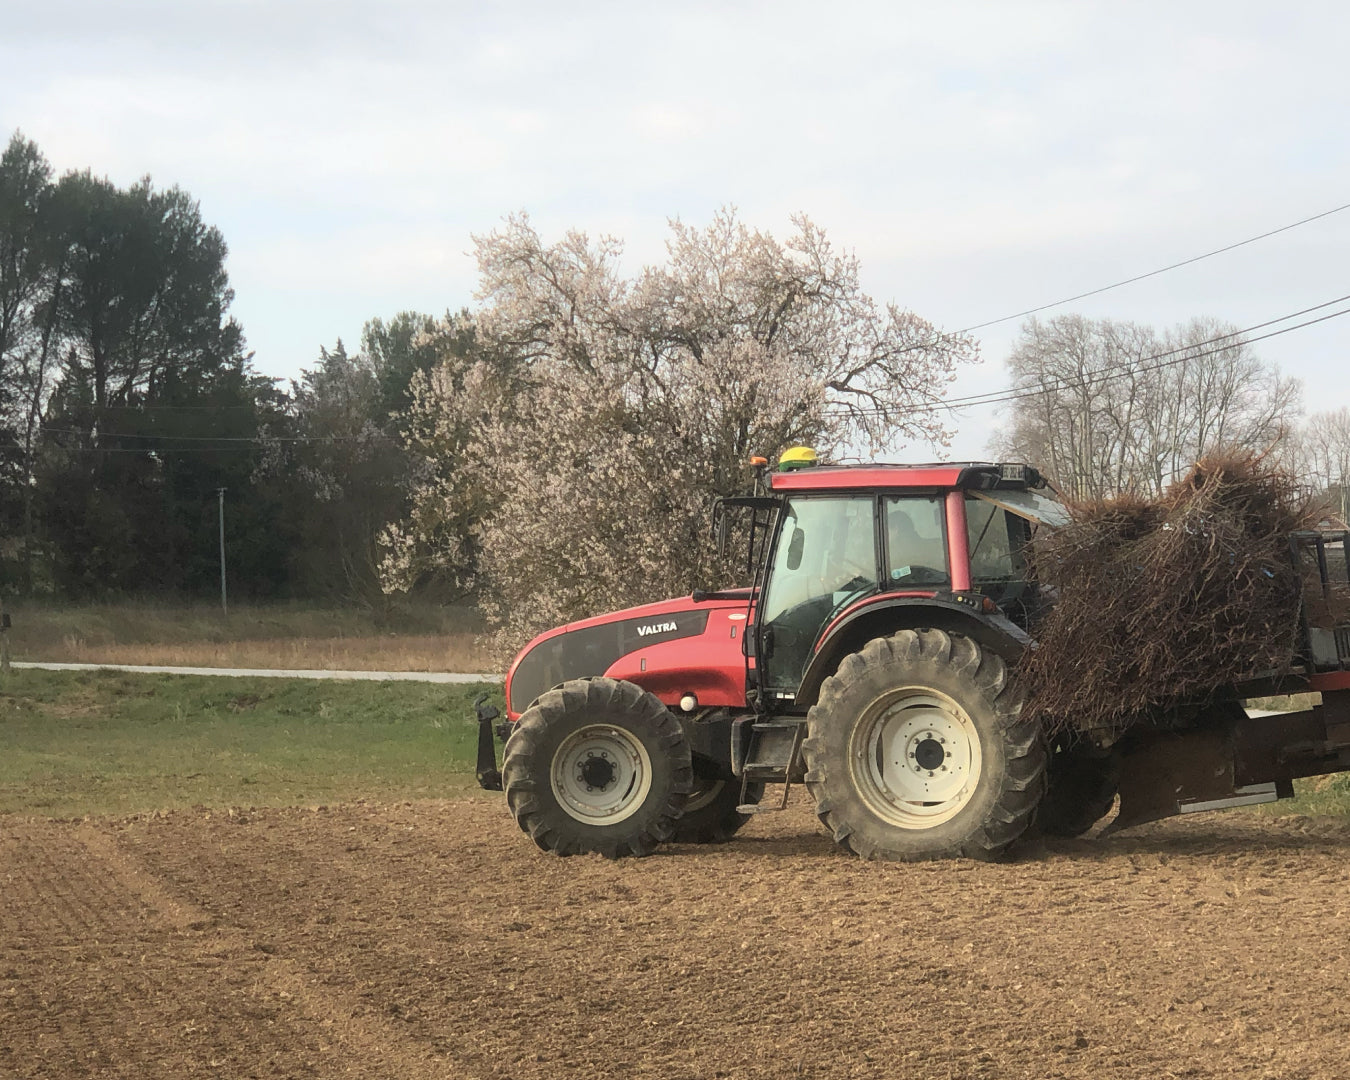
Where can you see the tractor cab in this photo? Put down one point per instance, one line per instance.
(854, 546)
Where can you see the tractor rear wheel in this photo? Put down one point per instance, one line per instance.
(916, 750)
(597, 765)
(710, 816)
(1082, 787)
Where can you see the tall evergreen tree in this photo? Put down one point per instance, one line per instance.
(126, 397)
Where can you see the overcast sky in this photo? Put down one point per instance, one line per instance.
(981, 159)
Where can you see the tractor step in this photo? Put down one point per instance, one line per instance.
(766, 774)
(767, 750)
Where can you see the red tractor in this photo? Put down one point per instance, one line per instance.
(870, 660)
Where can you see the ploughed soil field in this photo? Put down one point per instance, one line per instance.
(432, 939)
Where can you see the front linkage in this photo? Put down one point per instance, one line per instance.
(489, 776)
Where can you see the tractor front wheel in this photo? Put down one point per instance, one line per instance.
(597, 765)
(916, 750)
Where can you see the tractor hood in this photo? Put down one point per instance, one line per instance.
(650, 645)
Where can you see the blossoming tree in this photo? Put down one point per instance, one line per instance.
(572, 456)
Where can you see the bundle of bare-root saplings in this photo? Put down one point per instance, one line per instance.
(1168, 601)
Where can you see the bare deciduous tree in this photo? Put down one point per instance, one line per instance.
(1323, 456)
(602, 414)
(1107, 407)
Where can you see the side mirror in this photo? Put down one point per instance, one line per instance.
(795, 545)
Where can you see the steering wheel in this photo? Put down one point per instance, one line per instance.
(855, 572)
(857, 583)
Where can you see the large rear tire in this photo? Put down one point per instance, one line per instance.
(916, 750)
(597, 765)
(1082, 787)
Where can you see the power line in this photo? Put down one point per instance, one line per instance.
(1108, 376)
(178, 408)
(1155, 273)
(964, 330)
(968, 401)
(1182, 352)
(254, 439)
(1164, 359)
(1167, 358)
(158, 451)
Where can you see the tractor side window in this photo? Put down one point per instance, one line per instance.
(995, 547)
(826, 557)
(998, 542)
(916, 546)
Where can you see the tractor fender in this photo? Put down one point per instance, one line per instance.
(881, 616)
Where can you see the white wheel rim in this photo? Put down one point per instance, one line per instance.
(601, 775)
(916, 758)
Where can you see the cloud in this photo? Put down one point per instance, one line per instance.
(980, 158)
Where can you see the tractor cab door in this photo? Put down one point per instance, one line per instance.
(1001, 524)
(826, 556)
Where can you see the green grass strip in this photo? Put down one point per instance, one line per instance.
(76, 743)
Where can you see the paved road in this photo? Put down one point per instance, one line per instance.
(272, 673)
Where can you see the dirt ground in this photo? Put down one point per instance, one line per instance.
(432, 940)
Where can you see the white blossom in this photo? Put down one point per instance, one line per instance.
(574, 460)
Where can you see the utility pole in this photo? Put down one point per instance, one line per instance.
(224, 608)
